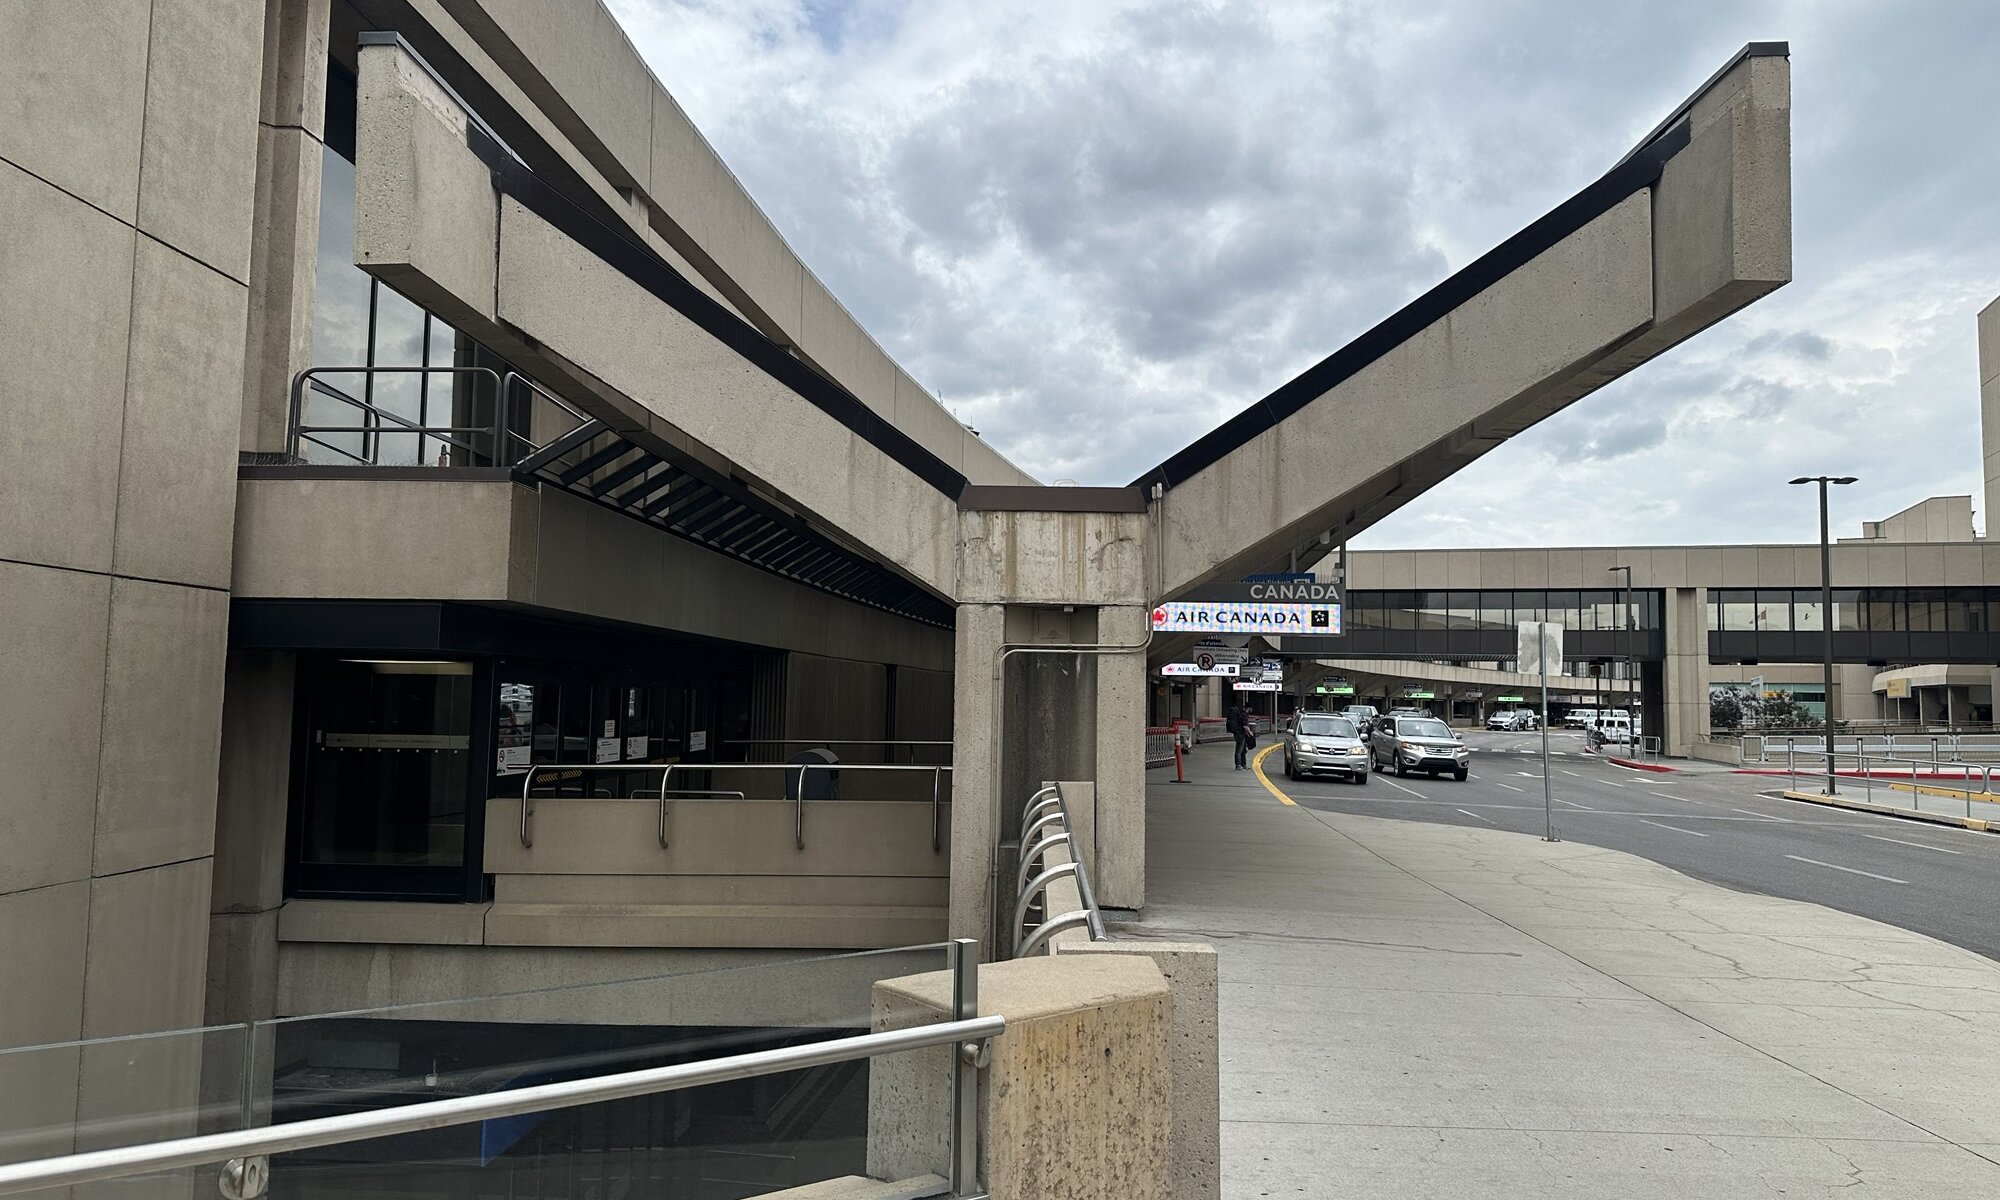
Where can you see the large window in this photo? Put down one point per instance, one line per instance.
(384, 799)
(401, 366)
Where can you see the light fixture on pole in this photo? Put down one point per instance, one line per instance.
(1626, 622)
(1826, 614)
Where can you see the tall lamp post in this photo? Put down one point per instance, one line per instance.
(1826, 613)
(1625, 620)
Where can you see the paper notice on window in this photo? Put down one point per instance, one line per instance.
(698, 740)
(607, 750)
(635, 747)
(516, 759)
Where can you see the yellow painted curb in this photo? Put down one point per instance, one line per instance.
(1257, 768)
(1977, 824)
(1932, 789)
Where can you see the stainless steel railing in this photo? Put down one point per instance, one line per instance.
(1886, 771)
(1047, 809)
(244, 1154)
(378, 421)
(668, 792)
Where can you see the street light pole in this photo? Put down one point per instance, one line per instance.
(1826, 614)
(1625, 620)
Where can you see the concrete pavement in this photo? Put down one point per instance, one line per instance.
(1419, 1010)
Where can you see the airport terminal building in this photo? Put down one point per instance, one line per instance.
(439, 506)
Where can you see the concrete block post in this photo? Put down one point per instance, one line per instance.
(1194, 1136)
(1077, 1101)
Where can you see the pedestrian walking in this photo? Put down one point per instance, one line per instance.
(1239, 724)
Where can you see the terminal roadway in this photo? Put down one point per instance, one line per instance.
(1715, 825)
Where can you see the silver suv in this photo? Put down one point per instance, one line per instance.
(1323, 742)
(1406, 744)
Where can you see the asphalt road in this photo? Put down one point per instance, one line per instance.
(1715, 826)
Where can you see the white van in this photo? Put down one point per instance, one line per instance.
(1615, 726)
(1580, 718)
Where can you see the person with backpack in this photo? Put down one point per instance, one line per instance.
(1239, 725)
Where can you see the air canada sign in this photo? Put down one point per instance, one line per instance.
(1209, 616)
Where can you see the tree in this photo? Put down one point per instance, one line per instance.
(1725, 709)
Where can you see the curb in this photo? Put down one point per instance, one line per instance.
(1977, 824)
(1635, 765)
(1947, 793)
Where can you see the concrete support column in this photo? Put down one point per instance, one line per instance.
(1685, 703)
(1118, 856)
(975, 814)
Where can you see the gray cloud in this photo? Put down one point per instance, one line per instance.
(1097, 230)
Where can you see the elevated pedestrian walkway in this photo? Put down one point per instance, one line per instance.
(1423, 1010)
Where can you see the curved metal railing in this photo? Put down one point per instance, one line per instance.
(1046, 810)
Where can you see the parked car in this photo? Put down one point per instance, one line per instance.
(1513, 719)
(1579, 718)
(1325, 743)
(1426, 744)
(1363, 716)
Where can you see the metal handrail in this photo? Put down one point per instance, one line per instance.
(503, 390)
(247, 1144)
(299, 428)
(799, 798)
(1027, 889)
(1868, 764)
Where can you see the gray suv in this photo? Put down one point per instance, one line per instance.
(1321, 742)
(1426, 744)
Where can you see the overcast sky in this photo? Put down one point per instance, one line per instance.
(1097, 229)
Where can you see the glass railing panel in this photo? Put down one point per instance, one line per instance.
(726, 1141)
(704, 1142)
(106, 1093)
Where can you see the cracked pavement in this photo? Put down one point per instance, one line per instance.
(1415, 1009)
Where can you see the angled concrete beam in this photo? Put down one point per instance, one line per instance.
(445, 214)
(1689, 228)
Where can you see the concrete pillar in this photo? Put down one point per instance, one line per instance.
(1685, 701)
(1989, 407)
(975, 814)
(1119, 849)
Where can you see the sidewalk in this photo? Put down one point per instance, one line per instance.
(1417, 1010)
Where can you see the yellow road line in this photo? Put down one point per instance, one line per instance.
(1257, 768)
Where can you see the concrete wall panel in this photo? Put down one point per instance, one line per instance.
(54, 697)
(253, 781)
(1776, 569)
(177, 477)
(578, 65)
(61, 61)
(162, 725)
(1052, 558)
(198, 163)
(1924, 566)
(283, 268)
(42, 937)
(356, 538)
(425, 213)
(146, 968)
(67, 309)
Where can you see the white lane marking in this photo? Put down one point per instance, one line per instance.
(1510, 787)
(1919, 845)
(1573, 804)
(1671, 796)
(1567, 771)
(1527, 774)
(1850, 870)
(1766, 816)
(1657, 825)
(1475, 816)
(1399, 787)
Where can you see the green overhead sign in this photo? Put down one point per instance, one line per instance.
(1324, 690)
(1419, 695)
(1509, 699)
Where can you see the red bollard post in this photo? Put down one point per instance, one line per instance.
(1178, 777)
